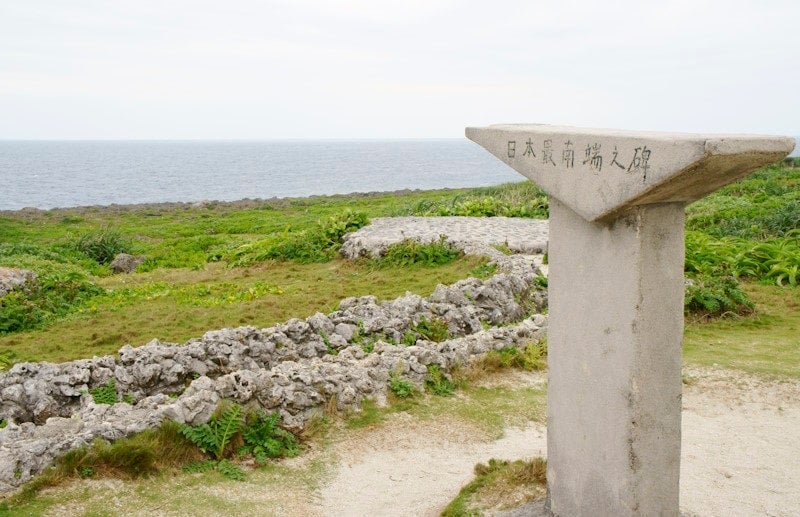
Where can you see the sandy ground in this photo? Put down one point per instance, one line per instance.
(741, 455)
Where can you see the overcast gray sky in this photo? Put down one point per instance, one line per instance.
(384, 69)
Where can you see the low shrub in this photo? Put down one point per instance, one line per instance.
(410, 252)
(532, 357)
(716, 296)
(487, 206)
(776, 260)
(52, 296)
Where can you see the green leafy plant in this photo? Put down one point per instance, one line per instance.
(438, 382)
(400, 387)
(106, 394)
(215, 435)
(410, 252)
(712, 296)
(264, 439)
(230, 470)
(409, 338)
(434, 329)
(7, 359)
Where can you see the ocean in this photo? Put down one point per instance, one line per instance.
(49, 174)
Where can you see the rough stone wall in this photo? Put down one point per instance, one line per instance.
(293, 368)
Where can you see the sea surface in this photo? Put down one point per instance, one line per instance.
(48, 174)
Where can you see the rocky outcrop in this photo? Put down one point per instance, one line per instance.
(12, 278)
(125, 263)
(294, 368)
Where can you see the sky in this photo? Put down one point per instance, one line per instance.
(196, 69)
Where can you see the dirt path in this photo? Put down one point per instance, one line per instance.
(741, 438)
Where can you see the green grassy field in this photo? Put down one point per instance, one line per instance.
(261, 262)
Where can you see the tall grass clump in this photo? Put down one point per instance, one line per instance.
(102, 246)
(137, 456)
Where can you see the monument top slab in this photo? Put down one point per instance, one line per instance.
(600, 173)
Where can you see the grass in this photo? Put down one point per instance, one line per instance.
(219, 265)
(138, 316)
(500, 483)
(767, 343)
(490, 410)
(147, 453)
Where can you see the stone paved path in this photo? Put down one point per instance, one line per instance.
(527, 236)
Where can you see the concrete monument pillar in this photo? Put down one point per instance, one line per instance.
(616, 288)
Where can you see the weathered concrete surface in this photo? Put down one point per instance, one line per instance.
(616, 299)
(599, 173)
(614, 346)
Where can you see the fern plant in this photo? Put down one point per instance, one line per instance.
(264, 439)
(213, 437)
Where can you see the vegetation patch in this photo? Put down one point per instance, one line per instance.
(265, 440)
(318, 244)
(434, 329)
(510, 200)
(105, 394)
(765, 343)
(400, 387)
(101, 246)
(413, 253)
(500, 484)
(47, 299)
(532, 357)
(716, 296)
(138, 456)
(438, 382)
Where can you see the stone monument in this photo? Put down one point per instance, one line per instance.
(616, 290)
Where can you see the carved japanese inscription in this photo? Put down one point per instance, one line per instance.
(601, 173)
